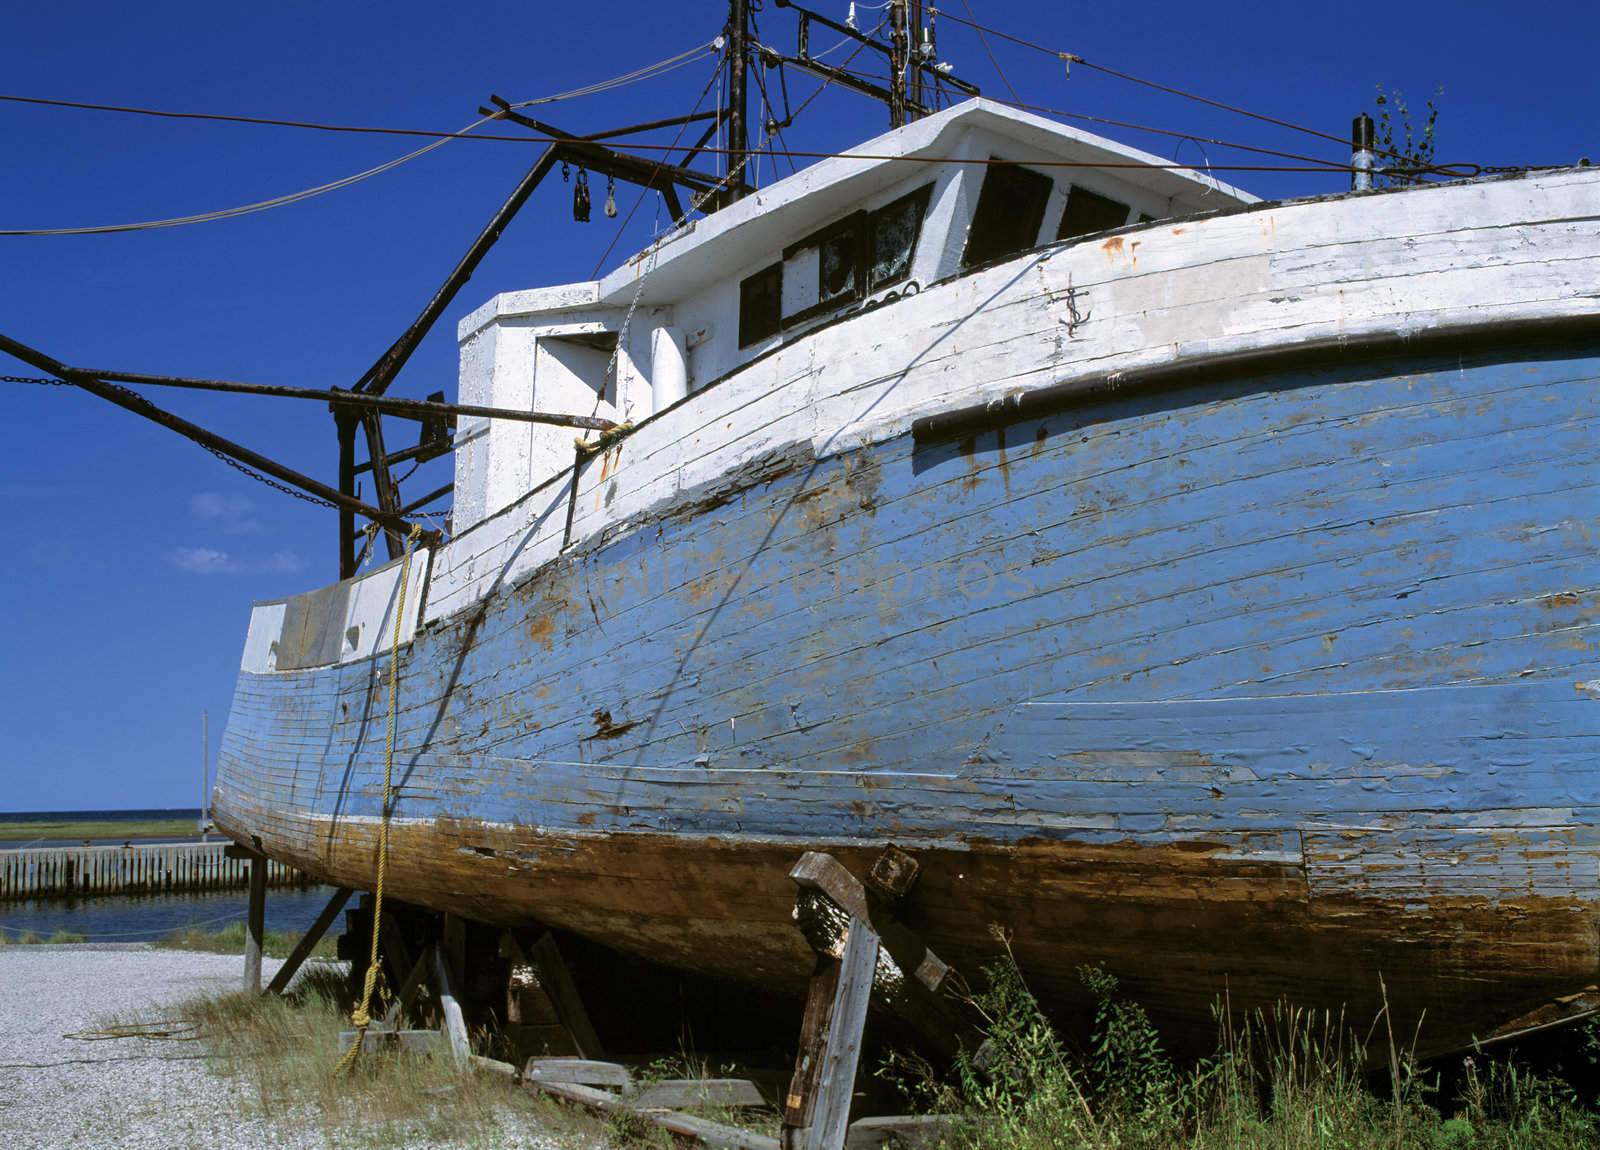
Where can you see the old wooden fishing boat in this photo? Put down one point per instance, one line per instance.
(1196, 585)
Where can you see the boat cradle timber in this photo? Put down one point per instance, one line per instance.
(1198, 586)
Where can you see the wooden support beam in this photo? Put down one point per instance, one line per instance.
(455, 1024)
(906, 1131)
(800, 1102)
(413, 983)
(411, 1041)
(848, 923)
(308, 941)
(494, 1065)
(255, 924)
(453, 943)
(689, 1093)
(827, 875)
(713, 1134)
(394, 952)
(532, 1023)
(578, 1071)
(836, 1084)
(563, 992)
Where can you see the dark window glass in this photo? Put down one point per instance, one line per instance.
(838, 262)
(1010, 210)
(1088, 212)
(760, 305)
(895, 228)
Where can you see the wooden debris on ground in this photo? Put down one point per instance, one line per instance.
(861, 948)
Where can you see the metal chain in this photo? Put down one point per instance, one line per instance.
(46, 381)
(268, 480)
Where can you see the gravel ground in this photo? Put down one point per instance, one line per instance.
(63, 1092)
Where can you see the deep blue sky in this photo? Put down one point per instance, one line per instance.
(133, 556)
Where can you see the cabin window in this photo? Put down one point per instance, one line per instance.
(895, 228)
(1010, 210)
(839, 263)
(760, 305)
(1088, 212)
(861, 253)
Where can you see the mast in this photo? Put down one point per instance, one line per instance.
(898, 53)
(738, 34)
(917, 86)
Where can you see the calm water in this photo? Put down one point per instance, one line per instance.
(147, 917)
(99, 816)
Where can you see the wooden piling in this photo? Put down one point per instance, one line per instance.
(255, 924)
(146, 868)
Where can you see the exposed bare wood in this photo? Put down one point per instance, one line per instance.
(824, 873)
(689, 1093)
(309, 940)
(255, 924)
(455, 1025)
(909, 1131)
(800, 1102)
(581, 1071)
(407, 994)
(492, 1065)
(713, 1134)
(563, 992)
(836, 1085)
(893, 874)
(411, 1041)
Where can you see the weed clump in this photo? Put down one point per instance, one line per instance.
(1278, 1079)
(230, 940)
(285, 1050)
(32, 938)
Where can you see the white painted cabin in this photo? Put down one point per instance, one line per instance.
(837, 237)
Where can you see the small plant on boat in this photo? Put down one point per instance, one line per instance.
(1405, 151)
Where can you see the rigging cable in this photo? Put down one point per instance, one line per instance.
(695, 205)
(648, 72)
(1070, 58)
(1461, 170)
(643, 192)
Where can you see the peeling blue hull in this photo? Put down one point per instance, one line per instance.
(1278, 683)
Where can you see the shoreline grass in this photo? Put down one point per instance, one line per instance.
(230, 940)
(15, 834)
(61, 937)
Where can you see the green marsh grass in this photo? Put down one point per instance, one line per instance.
(1279, 1079)
(61, 937)
(230, 940)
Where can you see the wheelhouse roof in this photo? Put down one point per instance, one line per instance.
(776, 215)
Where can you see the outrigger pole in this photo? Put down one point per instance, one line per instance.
(583, 150)
(136, 403)
(911, 57)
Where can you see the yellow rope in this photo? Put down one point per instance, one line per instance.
(361, 1016)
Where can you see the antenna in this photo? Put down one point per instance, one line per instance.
(916, 76)
(205, 772)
